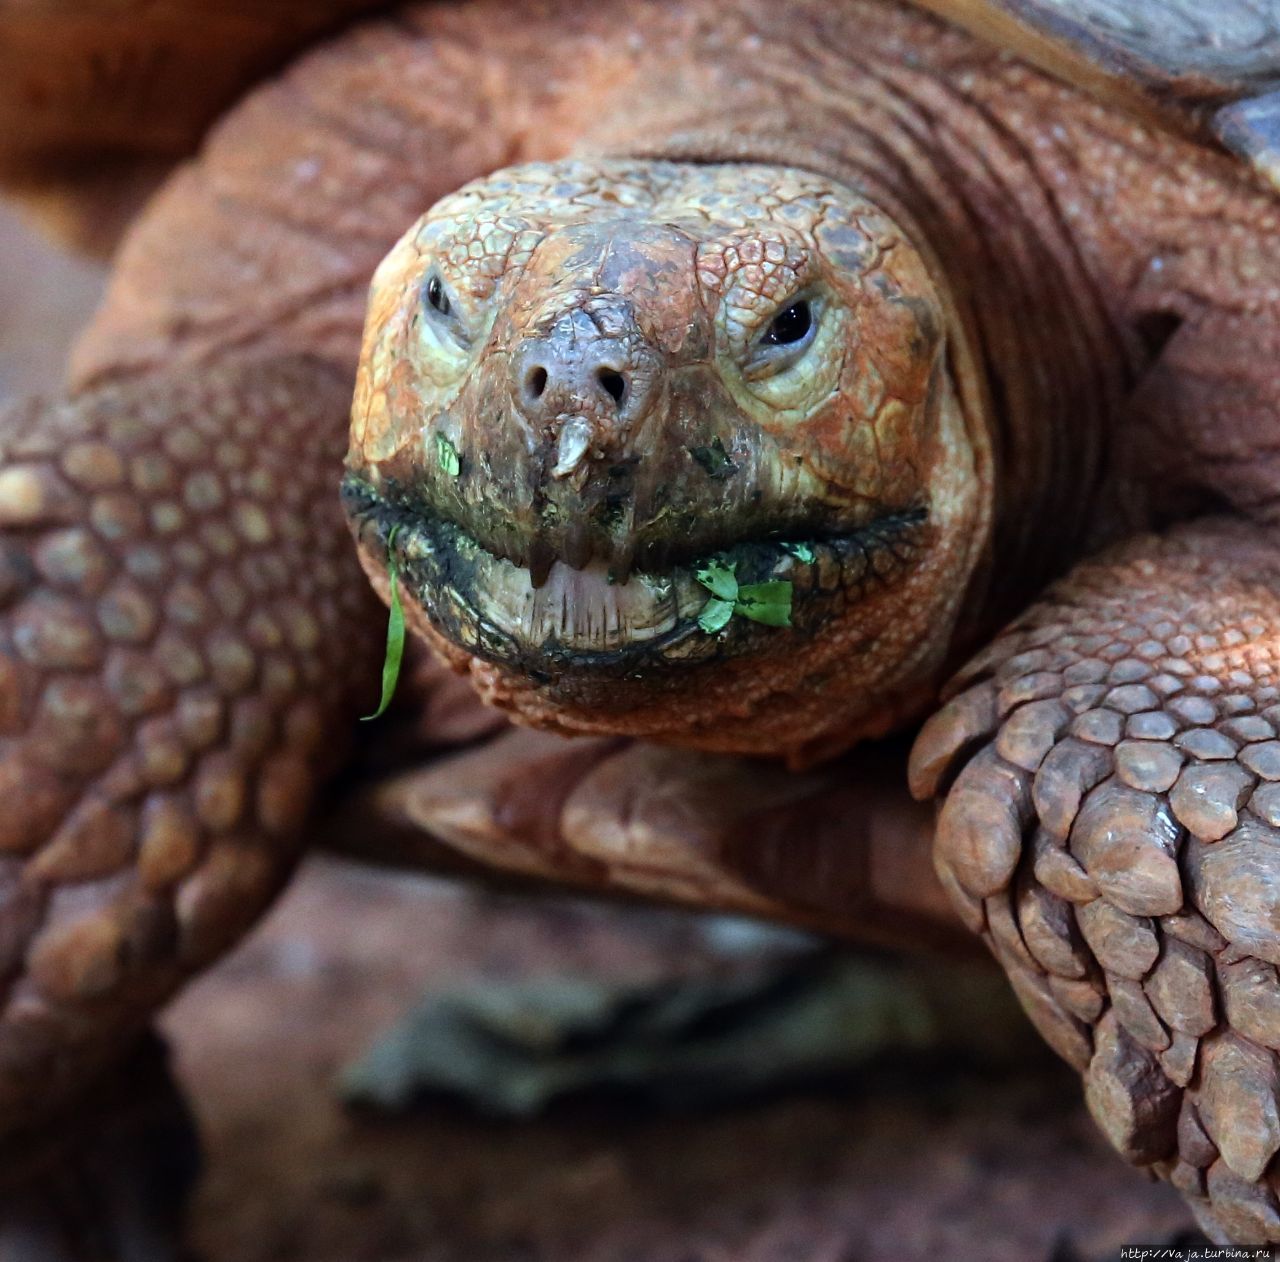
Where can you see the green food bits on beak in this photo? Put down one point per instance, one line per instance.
(769, 603)
(719, 579)
(715, 615)
(447, 454)
(395, 632)
(801, 551)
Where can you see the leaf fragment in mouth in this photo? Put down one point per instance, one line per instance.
(715, 615)
(447, 454)
(719, 579)
(801, 551)
(769, 603)
(395, 632)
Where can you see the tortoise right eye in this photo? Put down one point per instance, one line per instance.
(437, 297)
(789, 326)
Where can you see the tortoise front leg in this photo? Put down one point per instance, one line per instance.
(183, 631)
(112, 1180)
(841, 849)
(1110, 780)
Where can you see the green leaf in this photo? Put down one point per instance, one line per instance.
(395, 634)
(801, 552)
(719, 579)
(715, 614)
(447, 454)
(769, 603)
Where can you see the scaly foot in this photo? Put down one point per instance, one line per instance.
(1111, 826)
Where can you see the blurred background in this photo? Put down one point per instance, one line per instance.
(396, 1068)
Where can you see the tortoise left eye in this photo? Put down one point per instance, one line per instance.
(790, 325)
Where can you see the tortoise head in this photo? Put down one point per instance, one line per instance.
(668, 449)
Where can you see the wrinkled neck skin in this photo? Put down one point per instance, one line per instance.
(996, 466)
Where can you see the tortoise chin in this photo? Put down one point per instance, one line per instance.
(691, 466)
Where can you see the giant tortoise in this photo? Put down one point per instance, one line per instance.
(753, 366)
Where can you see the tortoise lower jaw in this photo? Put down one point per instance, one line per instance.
(581, 622)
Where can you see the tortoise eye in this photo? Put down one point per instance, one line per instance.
(789, 326)
(437, 297)
(444, 317)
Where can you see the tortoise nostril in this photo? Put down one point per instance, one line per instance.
(613, 383)
(535, 382)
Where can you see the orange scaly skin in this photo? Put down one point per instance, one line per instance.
(1116, 839)
(1111, 301)
(181, 627)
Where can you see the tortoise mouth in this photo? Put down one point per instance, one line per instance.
(755, 595)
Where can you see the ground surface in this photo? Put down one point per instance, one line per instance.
(905, 1161)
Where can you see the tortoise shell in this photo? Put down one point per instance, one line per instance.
(1208, 70)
